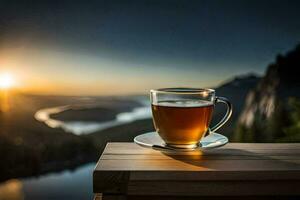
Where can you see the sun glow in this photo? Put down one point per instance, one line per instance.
(6, 81)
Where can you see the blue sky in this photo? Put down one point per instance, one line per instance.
(75, 47)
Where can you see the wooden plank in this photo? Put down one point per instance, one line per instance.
(213, 188)
(121, 145)
(163, 157)
(199, 165)
(151, 197)
(98, 196)
(114, 197)
(131, 148)
(225, 152)
(110, 181)
(212, 175)
(230, 149)
(126, 168)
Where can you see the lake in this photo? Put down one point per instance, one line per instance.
(84, 127)
(75, 185)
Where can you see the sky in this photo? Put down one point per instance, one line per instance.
(127, 47)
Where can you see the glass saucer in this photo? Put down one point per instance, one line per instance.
(154, 141)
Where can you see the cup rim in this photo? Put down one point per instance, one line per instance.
(182, 90)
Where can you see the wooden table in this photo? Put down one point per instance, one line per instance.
(126, 170)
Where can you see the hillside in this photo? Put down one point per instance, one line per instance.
(271, 107)
(236, 91)
(28, 147)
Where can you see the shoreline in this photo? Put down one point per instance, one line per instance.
(84, 127)
(43, 115)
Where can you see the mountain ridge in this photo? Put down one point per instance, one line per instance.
(235, 90)
(270, 98)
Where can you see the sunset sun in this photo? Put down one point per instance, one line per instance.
(6, 81)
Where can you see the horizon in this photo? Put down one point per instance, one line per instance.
(224, 82)
(116, 49)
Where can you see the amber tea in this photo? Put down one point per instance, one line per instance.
(182, 122)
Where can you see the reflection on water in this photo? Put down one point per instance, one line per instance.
(4, 101)
(11, 190)
(79, 127)
(43, 115)
(64, 185)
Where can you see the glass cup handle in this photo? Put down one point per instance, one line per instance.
(227, 115)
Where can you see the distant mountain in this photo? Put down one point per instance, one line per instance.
(267, 112)
(235, 90)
